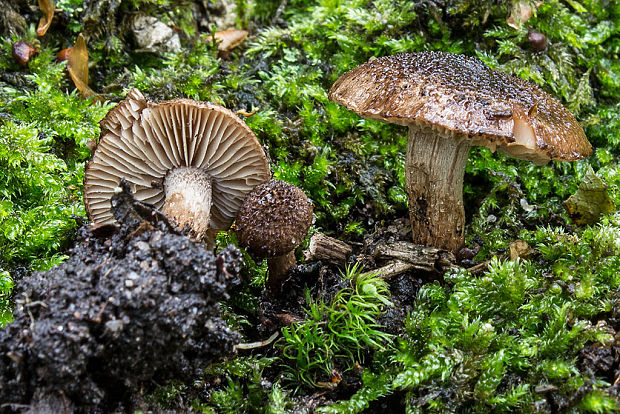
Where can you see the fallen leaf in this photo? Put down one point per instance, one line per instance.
(77, 65)
(521, 13)
(519, 249)
(228, 39)
(78, 59)
(590, 201)
(47, 7)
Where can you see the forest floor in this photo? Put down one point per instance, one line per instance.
(526, 318)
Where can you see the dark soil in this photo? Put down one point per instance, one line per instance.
(123, 313)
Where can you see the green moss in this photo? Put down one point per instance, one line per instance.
(337, 333)
(244, 388)
(6, 284)
(516, 321)
(43, 146)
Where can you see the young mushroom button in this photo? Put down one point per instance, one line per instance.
(450, 102)
(194, 160)
(271, 223)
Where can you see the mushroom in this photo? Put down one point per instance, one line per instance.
(194, 160)
(538, 41)
(450, 102)
(271, 223)
(22, 52)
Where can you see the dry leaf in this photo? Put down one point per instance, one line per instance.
(521, 13)
(519, 249)
(47, 7)
(77, 65)
(590, 201)
(77, 61)
(64, 54)
(228, 39)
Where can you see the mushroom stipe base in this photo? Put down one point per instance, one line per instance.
(278, 269)
(434, 170)
(188, 199)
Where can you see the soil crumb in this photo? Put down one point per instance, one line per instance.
(132, 309)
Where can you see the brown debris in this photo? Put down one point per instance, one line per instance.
(521, 12)
(519, 249)
(327, 249)
(227, 40)
(429, 259)
(47, 7)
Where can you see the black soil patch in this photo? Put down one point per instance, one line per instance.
(123, 313)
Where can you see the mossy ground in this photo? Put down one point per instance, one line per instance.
(509, 338)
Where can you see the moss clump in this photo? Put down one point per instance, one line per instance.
(43, 145)
(338, 333)
(496, 340)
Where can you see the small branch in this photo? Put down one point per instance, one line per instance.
(424, 258)
(392, 269)
(246, 113)
(279, 11)
(479, 267)
(327, 249)
(253, 345)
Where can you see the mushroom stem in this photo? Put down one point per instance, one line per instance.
(278, 267)
(434, 170)
(188, 199)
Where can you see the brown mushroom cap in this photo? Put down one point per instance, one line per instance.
(274, 219)
(463, 96)
(143, 141)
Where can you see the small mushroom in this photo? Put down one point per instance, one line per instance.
(450, 102)
(538, 41)
(271, 223)
(22, 52)
(194, 160)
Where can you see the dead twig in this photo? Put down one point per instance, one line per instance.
(392, 269)
(259, 344)
(479, 267)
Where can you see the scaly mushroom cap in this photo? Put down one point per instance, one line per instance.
(143, 141)
(462, 96)
(274, 219)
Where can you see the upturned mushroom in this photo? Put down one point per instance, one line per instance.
(195, 161)
(450, 102)
(271, 223)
